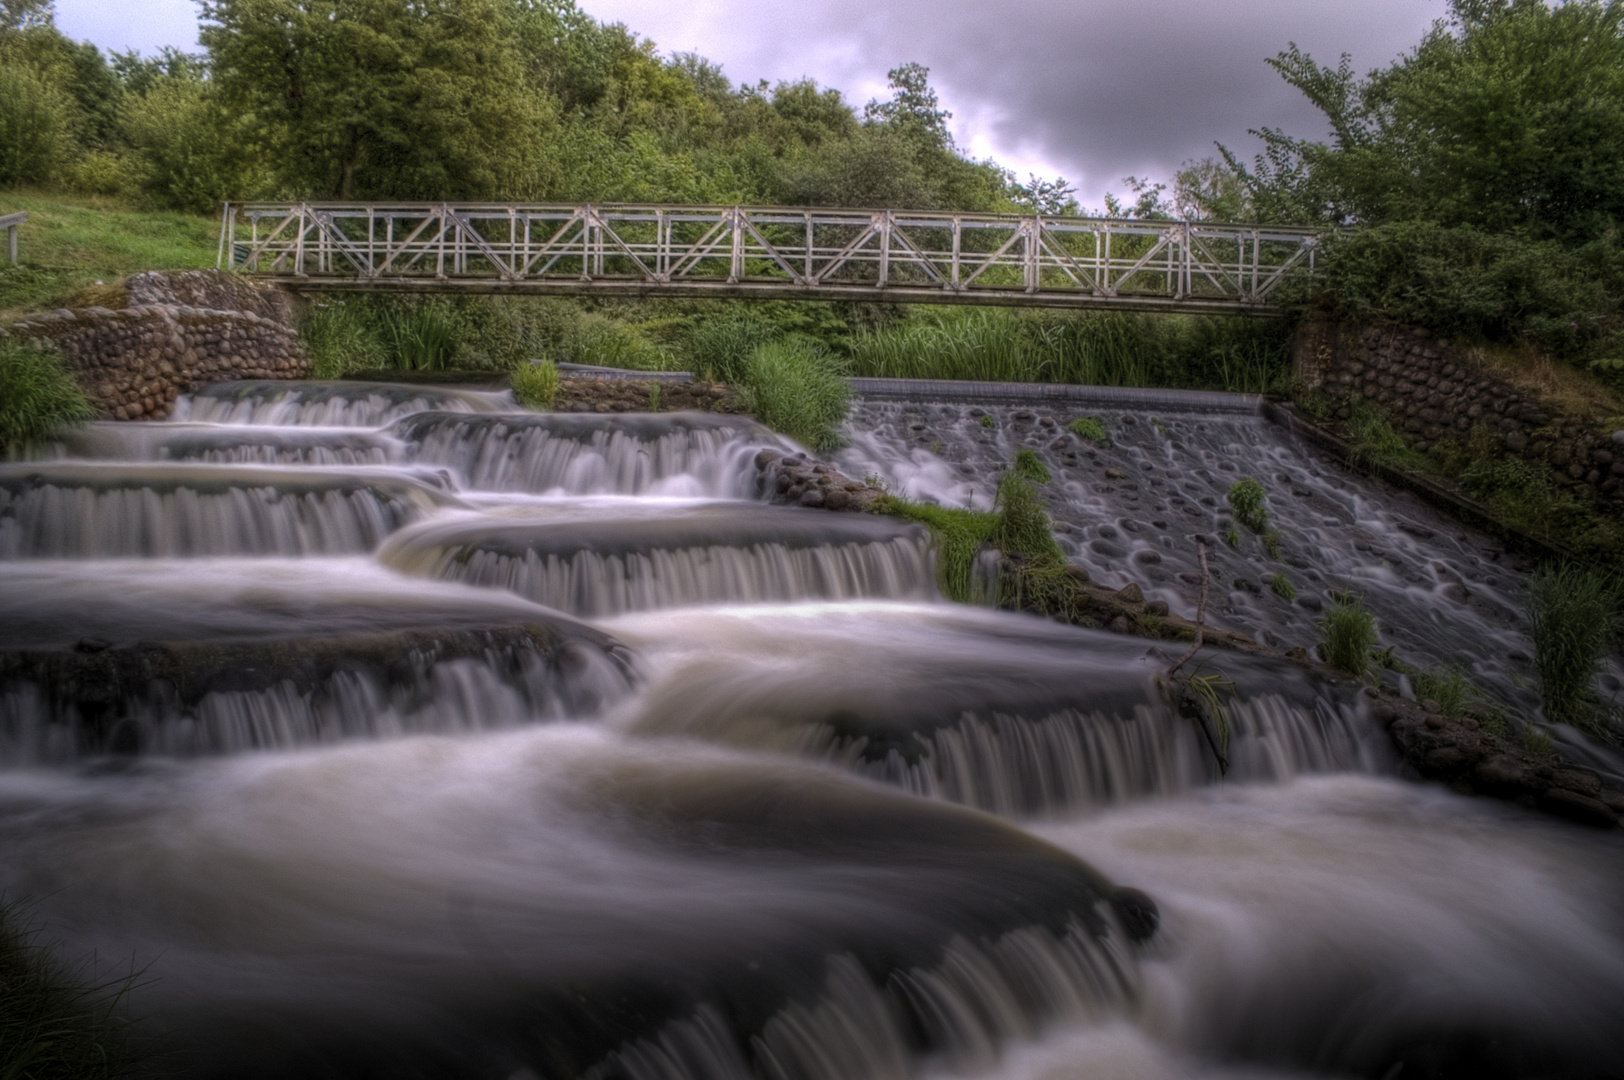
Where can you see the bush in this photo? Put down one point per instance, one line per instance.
(600, 341)
(1023, 528)
(535, 386)
(795, 387)
(1574, 614)
(187, 157)
(1349, 634)
(1029, 467)
(37, 395)
(35, 127)
(1089, 427)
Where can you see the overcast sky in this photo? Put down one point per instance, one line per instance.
(1088, 89)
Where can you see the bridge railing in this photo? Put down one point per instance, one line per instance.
(775, 250)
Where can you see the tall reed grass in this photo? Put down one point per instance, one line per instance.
(37, 395)
(1092, 348)
(1575, 613)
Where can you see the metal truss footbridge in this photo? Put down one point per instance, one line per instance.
(896, 256)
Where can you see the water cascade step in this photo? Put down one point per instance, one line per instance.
(600, 558)
(1018, 718)
(691, 454)
(181, 659)
(70, 509)
(328, 404)
(229, 444)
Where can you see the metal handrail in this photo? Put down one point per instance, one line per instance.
(12, 224)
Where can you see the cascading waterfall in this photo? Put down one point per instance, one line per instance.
(297, 715)
(674, 454)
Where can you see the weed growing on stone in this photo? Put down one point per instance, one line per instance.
(1283, 588)
(986, 420)
(1089, 427)
(1348, 634)
(1232, 537)
(1246, 497)
(960, 534)
(653, 397)
(1574, 614)
(1028, 465)
(535, 386)
(37, 395)
(1271, 544)
(1447, 686)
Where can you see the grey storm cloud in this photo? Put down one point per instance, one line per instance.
(1093, 89)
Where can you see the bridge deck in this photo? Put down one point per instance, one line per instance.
(762, 252)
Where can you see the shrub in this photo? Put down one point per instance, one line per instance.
(187, 158)
(35, 127)
(418, 338)
(1246, 499)
(37, 395)
(1023, 527)
(1574, 614)
(795, 387)
(1349, 634)
(600, 341)
(535, 386)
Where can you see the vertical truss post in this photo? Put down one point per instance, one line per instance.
(299, 248)
(735, 265)
(883, 225)
(958, 247)
(1029, 252)
(807, 277)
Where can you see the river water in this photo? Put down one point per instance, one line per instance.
(399, 732)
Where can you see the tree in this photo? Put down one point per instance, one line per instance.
(378, 98)
(913, 107)
(35, 136)
(1507, 117)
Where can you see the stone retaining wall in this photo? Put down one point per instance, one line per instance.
(1431, 391)
(133, 363)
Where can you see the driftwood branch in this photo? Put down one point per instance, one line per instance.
(1200, 612)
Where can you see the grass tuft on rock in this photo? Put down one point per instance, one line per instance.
(1447, 686)
(960, 536)
(1283, 588)
(37, 395)
(1030, 466)
(1246, 497)
(1574, 614)
(535, 386)
(1089, 427)
(1348, 634)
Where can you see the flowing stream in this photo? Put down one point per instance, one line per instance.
(399, 732)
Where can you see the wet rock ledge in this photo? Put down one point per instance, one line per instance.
(796, 480)
(631, 395)
(1471, 759)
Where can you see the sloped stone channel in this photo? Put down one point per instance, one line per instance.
(400, 731)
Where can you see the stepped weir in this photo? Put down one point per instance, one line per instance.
(394, 730)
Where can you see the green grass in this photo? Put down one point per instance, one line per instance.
(73, 241)
(1447, 686)
(1023, 528)
(54, 1026)
(1246, 497)
(37, 395)
(535, 386)
(1348, 635)
(717, 350)
(1089, 427)
(1028, 465)
(1374, 438)
(960, 535)
(1089, 348)
(797, 388)
(1283, 588)
(1574, 614)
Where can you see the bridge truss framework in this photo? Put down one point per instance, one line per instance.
(767, 252)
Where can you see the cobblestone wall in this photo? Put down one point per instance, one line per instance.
(179, 332)
(1431, 391)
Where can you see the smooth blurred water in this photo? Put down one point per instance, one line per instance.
(398, 732)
